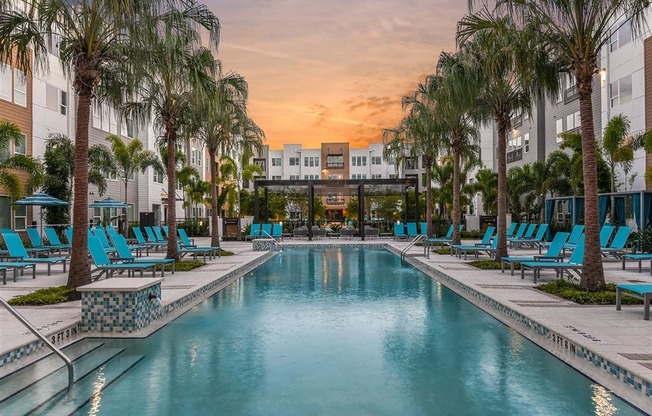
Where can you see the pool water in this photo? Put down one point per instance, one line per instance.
(345, 331)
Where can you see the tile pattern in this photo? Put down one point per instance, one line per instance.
(58, 338)
(560, 346)
(118, 311)
(264, 244)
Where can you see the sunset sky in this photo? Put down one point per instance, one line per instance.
(332, 70)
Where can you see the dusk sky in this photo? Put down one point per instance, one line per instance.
(331, 71)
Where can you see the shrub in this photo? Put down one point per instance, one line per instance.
(185, 265)
(443, 251)
(644, 237)
(490, 265)
(47, 296)
(571, 291)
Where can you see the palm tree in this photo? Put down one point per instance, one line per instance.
(417, 136)
(574, 32)
(128, 159)
(486, 182)
(10, 133)
(175, 73)
(60, 170)
(512, 71)
(94, 36)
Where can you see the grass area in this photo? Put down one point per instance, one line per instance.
(491, 265)
(47, 296)
(443, 251)
(571, 291)
(185, 265)
(226, 253)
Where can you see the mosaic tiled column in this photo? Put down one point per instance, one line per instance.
(120, 304)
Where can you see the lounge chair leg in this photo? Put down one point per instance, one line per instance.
(173, 266)
(141, 272)
(512, 267)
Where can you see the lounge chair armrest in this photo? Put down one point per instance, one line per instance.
(549, 258)
(482, 245)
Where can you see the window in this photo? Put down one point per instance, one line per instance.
(56, 99)
(573, 121)
(559, 129)
(376, 160)
(20, 148)
(294, 161)
(359, 161)
(335, 161)
(620, 36)
(158, 177)
(52, 44)
(63, 103)
(20, 217)
(262, 163)
(20, 87)
(97, 115)
(514, 143)
(109, 175)
(335, 176)
(376, 176)
(393, 176)
(514, 150)
(129, 124)
(5, 82)
(620, 91)
(358, 176)
(311, 161)
(294, 177)
(277, 161)
(310, 177)
(526, 142)
(335, 198)
(277, 177)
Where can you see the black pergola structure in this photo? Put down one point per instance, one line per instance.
(353, 187)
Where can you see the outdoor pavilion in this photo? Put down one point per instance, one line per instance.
(350, 187)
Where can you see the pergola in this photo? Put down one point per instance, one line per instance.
(350, 187)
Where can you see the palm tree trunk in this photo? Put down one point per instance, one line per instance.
(501, 219)
(456, 194)
(429, 199)
(80, 270)
(215, 229)
(172, 253)
(592, 271)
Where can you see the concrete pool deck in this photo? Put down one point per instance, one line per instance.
(612, 347)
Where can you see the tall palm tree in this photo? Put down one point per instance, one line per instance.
(512, 71)
(486, 182)
(176, 70)
(93, 36)
(10, 134)
(574, 32)
(417, 136)
(128, 159)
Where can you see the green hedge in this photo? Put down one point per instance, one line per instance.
(571, 291)
(47, 296)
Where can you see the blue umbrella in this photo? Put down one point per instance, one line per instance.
(42, 200)
(108, 203)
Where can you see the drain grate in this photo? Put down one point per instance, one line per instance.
(642, 357)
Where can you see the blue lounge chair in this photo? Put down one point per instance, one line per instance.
(423, 226)
(37, 242)
(412, 229)
(510, 230)
(477, 249)
(277, 232)
(104, 264)
(573, 238)
(124, 255)
(17, 265)
(636, 291)
(457, 249)
(266, 230)
(140, 238)
(53, 238)
(151, 237)
(17, 251)
(99, 233)
(68, 233)
(617, 246)
(399, 231)
(187, 244)
(445, 239)
(166, 229)
(554, 253)
(254, 232)
(639, 258)
(537, 239)
(519, 232)
(574, 263)
(159, 235)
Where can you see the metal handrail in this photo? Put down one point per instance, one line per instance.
(32, 328)
(412, 243)
(276, 244)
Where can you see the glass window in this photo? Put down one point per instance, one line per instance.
(614, 93)
(526, 142)
(20, 87)
(51, 97)
(359, 161)
(277, 161)
(335, 176)
(6, 83)
(158, 177)
(335, 161)
(294, 161)
(410, 163)
(625, 89)
(63, 104)
(20, 217)
(20, 147)
(376, 176)
(559, 129)
(376, 160)
(276, 177)
(294, 177)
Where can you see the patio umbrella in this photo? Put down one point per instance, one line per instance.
(42, 200)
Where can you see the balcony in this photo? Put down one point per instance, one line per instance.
(571, 94)
(516, 121)
(515, 155)
(335, 165)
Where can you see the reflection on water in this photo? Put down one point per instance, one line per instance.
(602, 400)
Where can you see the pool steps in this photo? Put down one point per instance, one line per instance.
(40, 388)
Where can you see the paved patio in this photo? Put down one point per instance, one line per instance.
(622, 339)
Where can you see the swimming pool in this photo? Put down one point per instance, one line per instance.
(344, 331)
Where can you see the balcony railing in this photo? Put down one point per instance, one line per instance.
(571, 94)
(517, 121)
(514, 155)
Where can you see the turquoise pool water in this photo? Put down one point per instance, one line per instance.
(345, 332)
